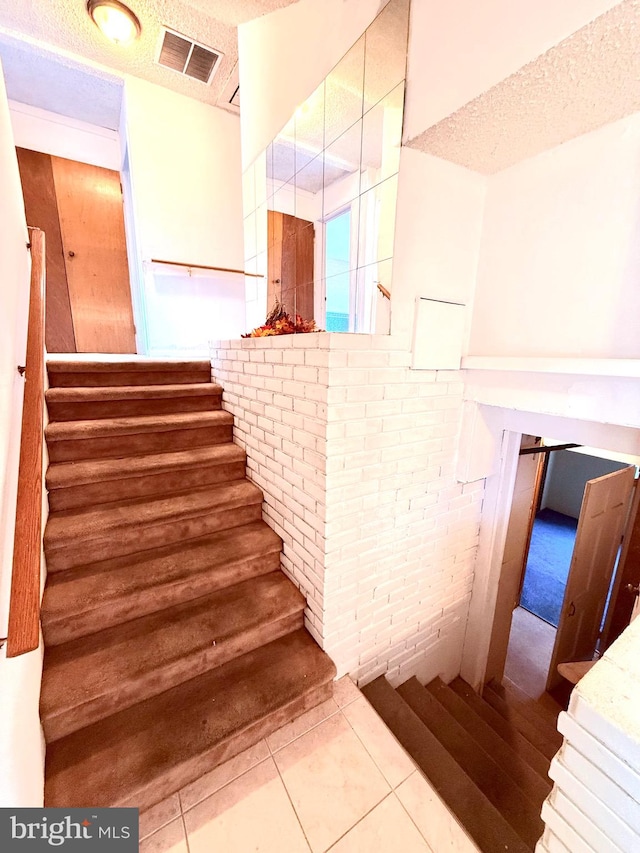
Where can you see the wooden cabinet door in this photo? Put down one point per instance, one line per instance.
(92, 226)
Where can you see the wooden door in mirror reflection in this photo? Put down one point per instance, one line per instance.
(290, 243)
(79, 207)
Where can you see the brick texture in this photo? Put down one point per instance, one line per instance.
(355, 453)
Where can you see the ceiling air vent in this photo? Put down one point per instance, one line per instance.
(186, 57)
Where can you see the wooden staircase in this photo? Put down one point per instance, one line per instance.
(172, 639)
(488, 758)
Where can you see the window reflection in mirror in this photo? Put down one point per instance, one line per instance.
(339, 278)
(319, 203)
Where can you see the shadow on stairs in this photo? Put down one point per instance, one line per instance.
(172, 639)
(488, 758)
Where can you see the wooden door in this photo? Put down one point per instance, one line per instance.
(41, 207)
(602, 518)
(514, 559)
(92, 226)
(290, 263)
(624, 593)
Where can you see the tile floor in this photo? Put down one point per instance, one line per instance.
(334, 779)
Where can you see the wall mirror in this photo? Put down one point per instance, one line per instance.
(320, 202)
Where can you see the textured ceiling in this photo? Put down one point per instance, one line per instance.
(46, 80)
(65, 24)
(588, 80)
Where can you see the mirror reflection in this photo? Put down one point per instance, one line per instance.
(319, 203)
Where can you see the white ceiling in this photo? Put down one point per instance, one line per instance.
(51, 82)
(588, 80)
(65, 24)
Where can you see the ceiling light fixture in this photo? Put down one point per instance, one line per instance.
(114, 20)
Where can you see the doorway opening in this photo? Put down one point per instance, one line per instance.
(554, 522)
(570, 507)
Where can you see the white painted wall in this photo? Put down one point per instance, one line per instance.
(461, 48)
(437, 238)
(184, 158)
(50, 133)
(567, 475)
(285, 55)
(21, 756)
(184, 199)
(560, 256)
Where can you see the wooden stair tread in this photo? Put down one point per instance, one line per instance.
(139, 756)
(481, 819)
(535, 786)
(478, 764)
(543, 736)
(65, 474)
(89, 598)
(87, 679)
(124, 392)
(134, 425)
(73, 526)
(531, 754)
(545, 706)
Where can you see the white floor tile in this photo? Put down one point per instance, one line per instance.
(252, 813)
(386, 829)
(331, 779)
(390, 757)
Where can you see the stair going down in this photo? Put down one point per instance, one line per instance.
(488, 758)
(173, 640)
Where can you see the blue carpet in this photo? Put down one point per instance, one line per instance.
(548, 564)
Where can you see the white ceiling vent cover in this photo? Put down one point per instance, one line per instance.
(186, 57)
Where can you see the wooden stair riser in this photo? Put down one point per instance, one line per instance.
(481, 819)
(144, 442)
(543, 740)
(490, 778)
(542, 717)
(98, 410)
(103, 379)
(135, 539)
(124, 695)
(534, 786)
(149, 485)
(525, 749)
(142, 755)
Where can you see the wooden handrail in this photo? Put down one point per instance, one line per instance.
(24, 605)
(205, 267)
(383, 290)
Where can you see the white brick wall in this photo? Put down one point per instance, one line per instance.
(355, 454)
(595, 802)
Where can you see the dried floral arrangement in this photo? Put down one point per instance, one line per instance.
(279, 322)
